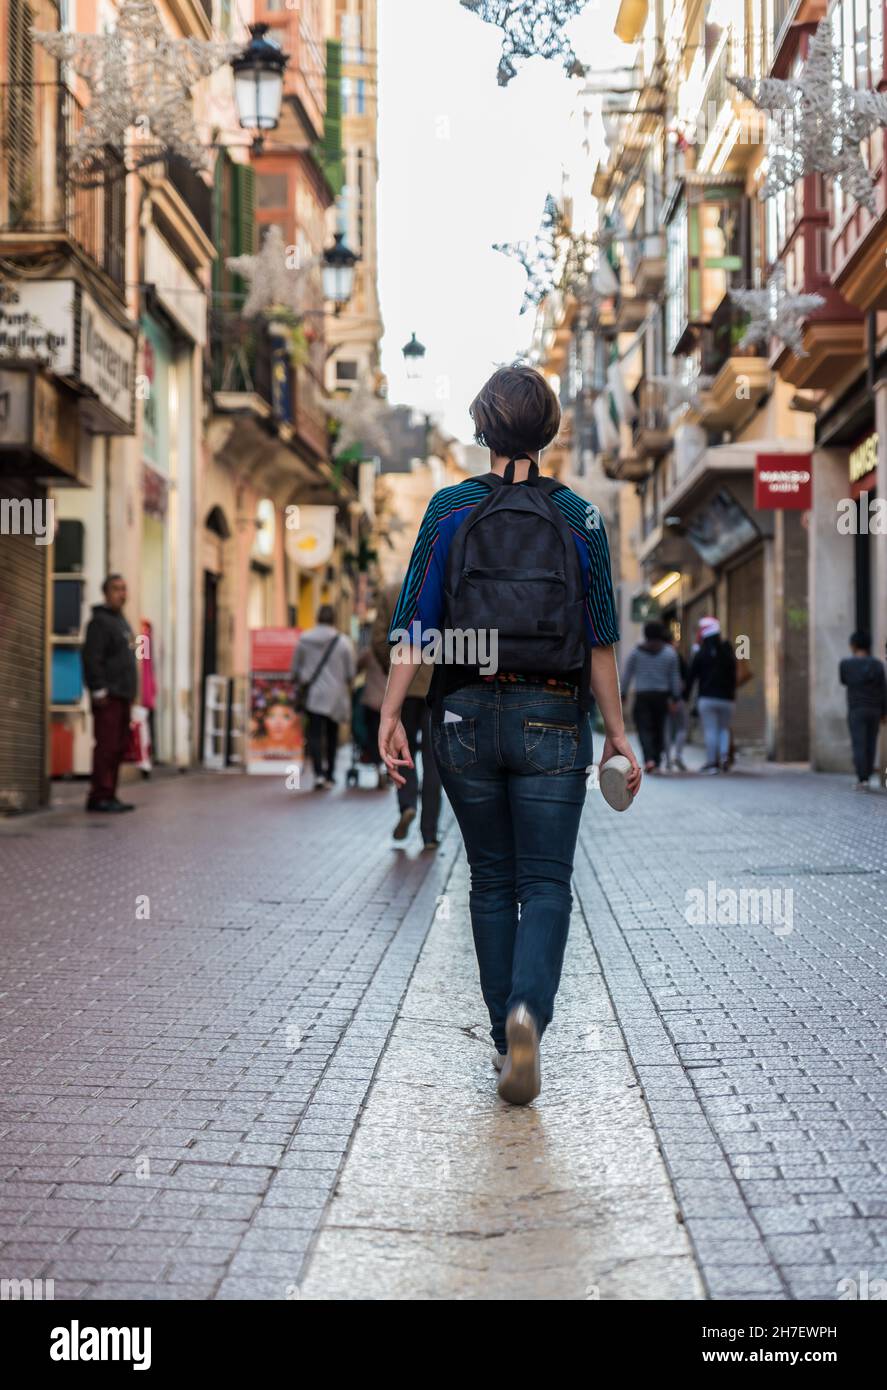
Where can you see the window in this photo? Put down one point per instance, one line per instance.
(858, 29)
(347, 90)
(346, 371)
(361, 97)
(676, 301)
(271, 191)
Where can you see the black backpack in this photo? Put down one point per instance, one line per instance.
(513, 568)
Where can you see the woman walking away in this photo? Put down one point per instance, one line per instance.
(654, 668)
(510, 581)
(713, 668)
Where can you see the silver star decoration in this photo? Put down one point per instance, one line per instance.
(679, 392)
(139, 77)
(826, 122)
(555, 260)
(362, 417)
(530, 28)
(275, 282)
(776, 313)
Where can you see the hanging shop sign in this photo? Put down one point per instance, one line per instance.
(310, 535)
(863, 467)
(783, 482)
(181, 296)
(38, 425)
(58, 324)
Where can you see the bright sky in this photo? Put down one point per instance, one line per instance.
(463, 163)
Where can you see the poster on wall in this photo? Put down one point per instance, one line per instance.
(275, 737)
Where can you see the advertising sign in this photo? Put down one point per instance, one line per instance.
(783, 482)
(275, 738)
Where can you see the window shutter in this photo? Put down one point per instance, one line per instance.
(19, 131)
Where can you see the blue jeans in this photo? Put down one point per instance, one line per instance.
(514, 768)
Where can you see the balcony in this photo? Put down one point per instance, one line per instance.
(741, 376)
(40, 205)
(242, 366)
(647, 262)
(252, 373)
(652, 430)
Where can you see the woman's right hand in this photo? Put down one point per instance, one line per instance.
(394, 746)
(618, 743)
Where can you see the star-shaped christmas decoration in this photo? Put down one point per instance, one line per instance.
(555, 260)
(362, 417)
(278, 280)
(824, 125)
(531, 28)
(679, 392)
(139, 78)
(776, 313)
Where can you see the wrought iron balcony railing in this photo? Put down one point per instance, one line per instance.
(39, 123)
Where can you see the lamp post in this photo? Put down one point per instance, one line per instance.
(414, 354)
(258, 84)
(338, 273)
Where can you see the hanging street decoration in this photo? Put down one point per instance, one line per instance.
(776, 313)
(530, 28)
(557, 259)
(278, 282)
(679, 392)
(139, 79)
(362, 417)
(825, 122)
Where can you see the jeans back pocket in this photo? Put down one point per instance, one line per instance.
(455, 743)
(550, 745)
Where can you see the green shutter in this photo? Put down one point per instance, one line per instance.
(332, 156)
(247, 225)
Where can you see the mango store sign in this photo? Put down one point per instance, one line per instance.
(783, 482)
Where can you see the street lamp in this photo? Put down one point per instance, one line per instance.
(258, 83)
(413, 353)
(338, 272)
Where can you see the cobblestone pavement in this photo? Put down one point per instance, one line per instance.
(244, 1054)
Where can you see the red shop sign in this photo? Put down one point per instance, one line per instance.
(784, 481)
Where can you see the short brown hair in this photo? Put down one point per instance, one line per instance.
(515, 412)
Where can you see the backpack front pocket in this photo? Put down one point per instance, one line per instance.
(515, 603)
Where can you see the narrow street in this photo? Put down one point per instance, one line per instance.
(245, 1055)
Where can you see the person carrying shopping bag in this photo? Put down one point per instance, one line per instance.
(509, 585)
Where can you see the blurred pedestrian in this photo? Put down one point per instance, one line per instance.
(713, 670)
(109, 671)
(371, 697)
(416, 717)
(324, 668)
(653, 668)
(863, 675)
(677, 724)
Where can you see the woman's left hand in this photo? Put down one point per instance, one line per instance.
(394, 746)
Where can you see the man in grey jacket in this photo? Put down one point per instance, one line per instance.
(325, 663)
(654, 668)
